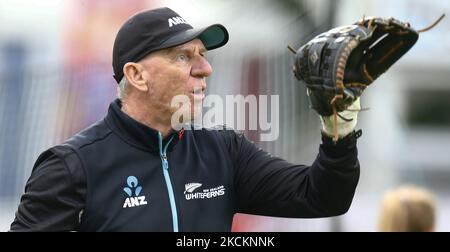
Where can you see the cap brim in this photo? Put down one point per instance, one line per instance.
(213, 36)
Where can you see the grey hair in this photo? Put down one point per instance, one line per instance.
(122, 88)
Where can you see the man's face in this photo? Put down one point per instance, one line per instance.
(179, 70)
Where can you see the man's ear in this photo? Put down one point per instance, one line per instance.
(133, 72)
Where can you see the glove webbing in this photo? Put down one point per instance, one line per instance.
(340, 71)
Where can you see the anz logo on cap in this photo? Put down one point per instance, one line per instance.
(176, 21)
(133, 185)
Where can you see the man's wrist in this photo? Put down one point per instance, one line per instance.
(344, 128)
(348, 141)
(345, 121)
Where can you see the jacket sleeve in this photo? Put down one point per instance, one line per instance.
(54, 194)
(271, 186)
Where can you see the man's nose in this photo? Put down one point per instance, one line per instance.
(201, 68)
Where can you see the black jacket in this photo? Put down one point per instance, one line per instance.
(120, 175)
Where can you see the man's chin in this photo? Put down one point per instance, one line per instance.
(182, 118)
(195, 116)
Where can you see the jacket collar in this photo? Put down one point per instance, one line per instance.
(134, 132)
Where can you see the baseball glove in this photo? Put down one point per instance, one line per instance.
(338, 65)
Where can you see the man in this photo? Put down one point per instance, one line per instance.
(133, 172)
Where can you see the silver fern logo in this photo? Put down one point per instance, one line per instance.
(190, 187)
(191, 192)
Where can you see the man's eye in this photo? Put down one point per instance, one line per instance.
(182, 57)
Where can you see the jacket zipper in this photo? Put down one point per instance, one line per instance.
(165, 166)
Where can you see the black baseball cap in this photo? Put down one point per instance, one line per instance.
(153, 30)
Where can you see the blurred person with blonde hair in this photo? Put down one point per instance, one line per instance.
(408, 209)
